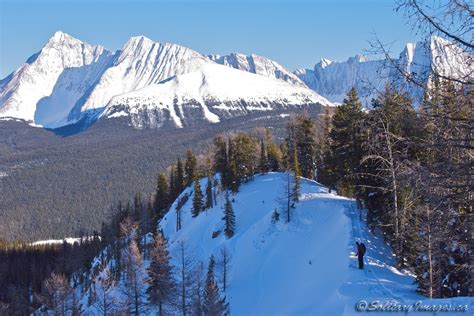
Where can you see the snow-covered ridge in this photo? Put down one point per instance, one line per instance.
(333, 79)
(211, 93)
(69, 80)
(305, 267)
(258, 65)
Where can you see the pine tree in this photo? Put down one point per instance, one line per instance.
(190, 167)
(233, 176)
(179, 181)
(229, 217)
(209, 194)
(305, 143)
(221, 161)
(263, 164)
(162, 196)
(245, 156)
(161, 282)
(213, 305)
(274, 157)
(197, 198)
(137, 206)
(346, 143)
(172, 189)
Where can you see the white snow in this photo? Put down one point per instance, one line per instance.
(216, 90)
(68, 240)
(333, 79)
(142, 62)
(46, 88)
(258, 65)
(69, 79)
(306, 267)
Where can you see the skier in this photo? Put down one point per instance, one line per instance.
(360, 254)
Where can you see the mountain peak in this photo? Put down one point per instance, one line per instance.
(139, 39)
(324, 62)
(60, 37)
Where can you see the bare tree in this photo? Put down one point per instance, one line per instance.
(134, 270)
(57, 294)
(105, 285)
(451, 19)
(185, 282)
(223, 266)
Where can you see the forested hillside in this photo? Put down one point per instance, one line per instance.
(55, 187)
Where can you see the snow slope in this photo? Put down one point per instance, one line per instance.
(211, 93)
(141, 62)
(334, 79)
(306, 267)
(258, 65)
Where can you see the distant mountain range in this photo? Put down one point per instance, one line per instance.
(155, 84)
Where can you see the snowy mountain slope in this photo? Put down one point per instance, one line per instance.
(48, 85)
(141, 62)
(437, 55)
(70, 81)
(211, 93)
(333, 79)
(258, 65)
(306, 267)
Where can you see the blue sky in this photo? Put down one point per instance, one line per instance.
(295, 33)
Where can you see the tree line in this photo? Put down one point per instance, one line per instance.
(410, 170)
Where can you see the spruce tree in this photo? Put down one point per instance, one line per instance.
(161, 196)
(346, 143)
(209, 196)
(229, 217)
(245, 156)
(190, 167)
(197, 198)
(263, 164)
(179, 181)
(172, 184)
(221, 163)
(233, 177)
(305, 143)
(274, 157)
(161, 282)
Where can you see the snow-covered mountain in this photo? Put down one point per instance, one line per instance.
(258, 65)
(69, 80)
(211, 93)
(305, 267)
(141, 62)
(333, 79)
(45, 89)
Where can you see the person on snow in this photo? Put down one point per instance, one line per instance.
(360, 254)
